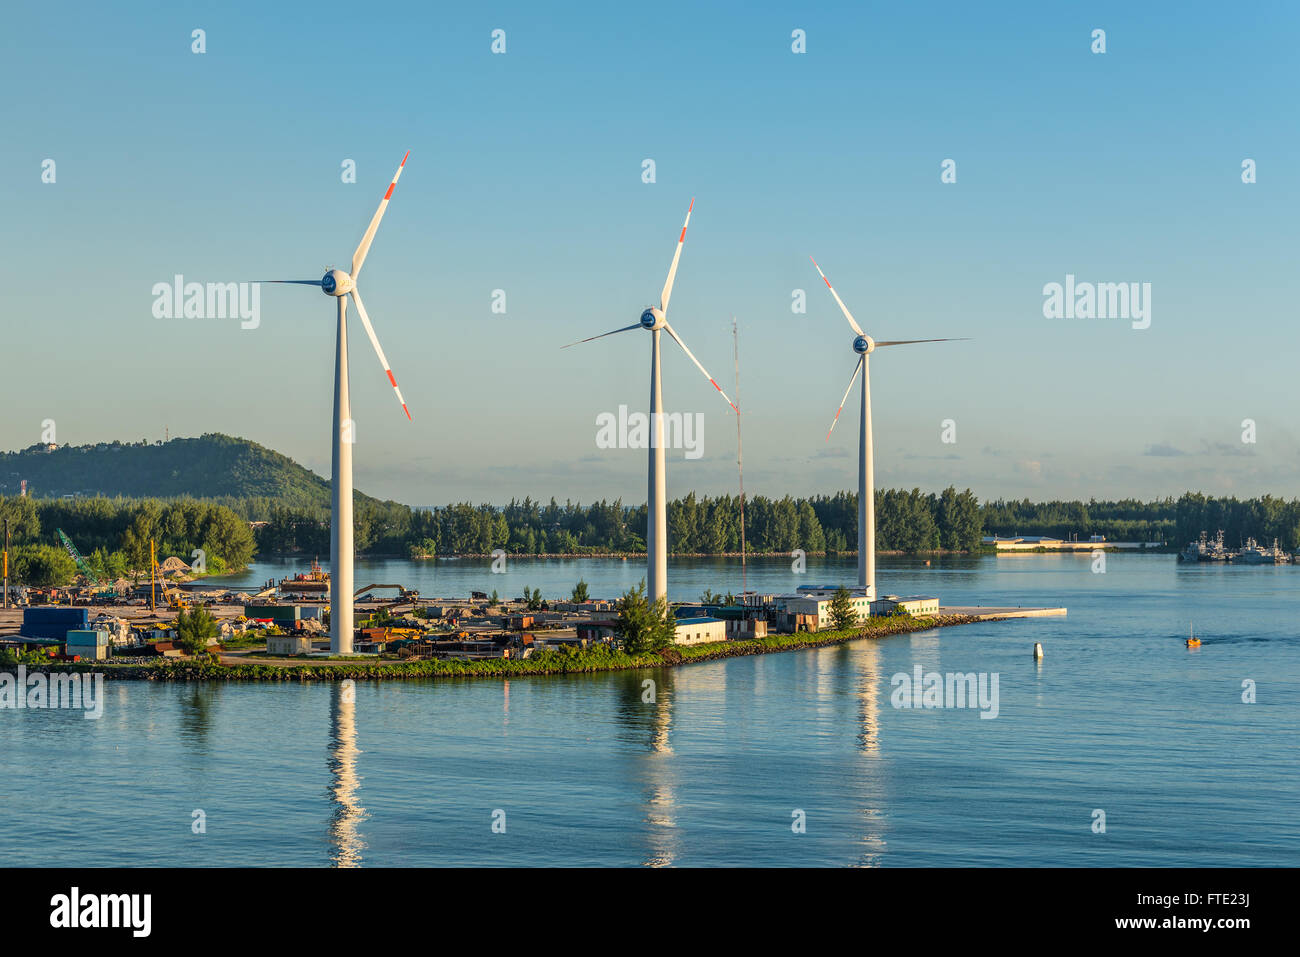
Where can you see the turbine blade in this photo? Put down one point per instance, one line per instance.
(908, 342)
(672, 270)
(843, 308)
(359, 257)
(854, 378)
(669, 329)
(374, 341)
(296, 282)
(602, 335)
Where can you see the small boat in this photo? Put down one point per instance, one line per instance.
(1192, 640)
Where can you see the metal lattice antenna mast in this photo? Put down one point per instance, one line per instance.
(740, 461)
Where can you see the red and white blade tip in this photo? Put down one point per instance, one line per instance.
(820, 273)
(834, 422)
(392, 380)
(393, 184)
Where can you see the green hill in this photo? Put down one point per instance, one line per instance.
(213, 466)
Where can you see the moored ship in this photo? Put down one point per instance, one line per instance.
(1255, 554)
(315, 582)
(1204, 550)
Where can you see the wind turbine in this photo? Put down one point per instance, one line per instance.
(864, 345)
(340, 285)
(653, 320)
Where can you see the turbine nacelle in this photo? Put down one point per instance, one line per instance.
(864, 345)
(652, 319)
(336, 283)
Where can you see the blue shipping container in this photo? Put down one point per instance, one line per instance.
(53, 621)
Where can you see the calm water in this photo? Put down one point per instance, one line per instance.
(1120, 716)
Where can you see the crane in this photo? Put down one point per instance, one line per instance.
(405, 594)
(82, 564)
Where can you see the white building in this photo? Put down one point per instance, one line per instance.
(698, 631)
(913, 605)
(288, 645)
(815, 600)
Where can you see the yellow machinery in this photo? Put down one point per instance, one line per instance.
(176, 600)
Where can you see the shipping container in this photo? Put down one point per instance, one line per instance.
(53, 621)
(87, 637)
(88, 644)
(280, 614)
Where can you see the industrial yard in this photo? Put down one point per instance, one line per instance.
(281, 629)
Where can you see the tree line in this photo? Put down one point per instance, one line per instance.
(1176, 521)
(1126, 520)
(709, 525)
(1264, 518)
(908, 521)
(113, 534)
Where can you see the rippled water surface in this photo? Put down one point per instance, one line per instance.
(1119, 717)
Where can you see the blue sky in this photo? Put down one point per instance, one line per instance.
(525, 176)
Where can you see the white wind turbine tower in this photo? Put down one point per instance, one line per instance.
(339, 284)
(864, 345)
(653, 320)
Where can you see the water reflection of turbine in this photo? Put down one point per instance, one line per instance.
(872, 843)
(348, 812)
(925, 649)
(823, 663)
(643, 713)
(869, 700)
(661, 795)
(660, 784)
(196, 718)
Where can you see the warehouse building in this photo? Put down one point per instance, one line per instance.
(698, 631)
(811, 605)
(912, 605)
(288, 644)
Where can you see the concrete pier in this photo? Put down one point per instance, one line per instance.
(994, 612)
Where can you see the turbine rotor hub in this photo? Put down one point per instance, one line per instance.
(336, 283)
(864, 345)
(652, 319)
